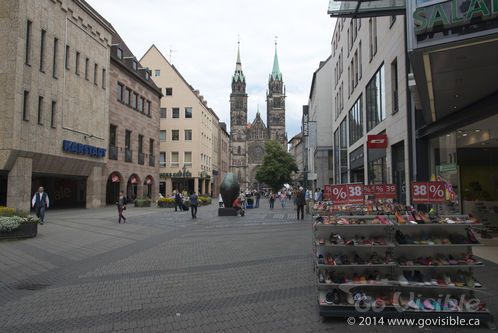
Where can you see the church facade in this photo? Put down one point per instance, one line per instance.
(247, 140)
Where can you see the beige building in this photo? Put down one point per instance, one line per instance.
(186, 136)
(133, 165)
(221, 160)
(53, 102)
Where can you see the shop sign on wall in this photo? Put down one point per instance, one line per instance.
(452, 14)
(82, 149)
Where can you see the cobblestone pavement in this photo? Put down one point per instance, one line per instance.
(164, 272)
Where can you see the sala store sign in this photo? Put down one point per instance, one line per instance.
(453, 13)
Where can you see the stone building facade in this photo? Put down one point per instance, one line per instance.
(186, 134)
(134, 104)
(247, 140)
(53, 102)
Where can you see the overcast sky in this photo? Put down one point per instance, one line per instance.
(204, 33)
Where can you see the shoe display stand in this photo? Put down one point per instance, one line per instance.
(370, 267)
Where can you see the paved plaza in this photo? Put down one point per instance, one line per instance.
(164, 272)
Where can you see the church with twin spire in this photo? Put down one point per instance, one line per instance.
(247, 139)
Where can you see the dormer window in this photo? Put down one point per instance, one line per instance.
(135, 65)
(147, 75)
(120, 53)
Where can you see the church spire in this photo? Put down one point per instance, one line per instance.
(238, 75)
(276, 70)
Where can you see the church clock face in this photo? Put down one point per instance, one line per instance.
(256, 154)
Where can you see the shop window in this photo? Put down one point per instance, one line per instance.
(375, 100)
(377, 171)
(344, 152)
(356, 121)
(337, 154)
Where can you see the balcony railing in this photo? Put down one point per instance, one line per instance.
(113, 152)
(128, 155)
(152, 160)
(141, 158)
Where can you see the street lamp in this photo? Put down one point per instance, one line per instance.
(184, 176)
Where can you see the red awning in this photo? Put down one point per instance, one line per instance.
(148, 180)
(134, 180)
(115, 178)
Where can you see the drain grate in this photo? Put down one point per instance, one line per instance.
(32, 286)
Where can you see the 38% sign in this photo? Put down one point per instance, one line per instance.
(428, 192)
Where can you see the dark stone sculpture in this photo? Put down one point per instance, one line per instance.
(229, 190)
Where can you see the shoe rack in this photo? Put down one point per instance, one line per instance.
(392, 259)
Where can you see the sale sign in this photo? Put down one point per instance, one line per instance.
(436, 192)
(355, 193)
(385, 191)
(420, 193)
(327, 193)
(428, 192)
(339, 194)
(369, 189)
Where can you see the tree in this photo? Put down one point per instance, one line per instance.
(277, 166)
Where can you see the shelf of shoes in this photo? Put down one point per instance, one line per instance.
(341, 274)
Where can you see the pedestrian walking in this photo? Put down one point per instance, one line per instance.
(220, 201)
(121, 203)
(40, 203)
(272, 200)
(300, 201)
(178, 201)
(258, 196)
(283, 198)
(194, 202)
(307, 197)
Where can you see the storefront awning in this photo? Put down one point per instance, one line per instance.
(364, 8)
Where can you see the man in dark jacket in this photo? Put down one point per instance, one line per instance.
(178, 201)
(300, 202)
(194, 202)
(40, 202)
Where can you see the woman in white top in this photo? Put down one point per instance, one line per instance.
(220, 201)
